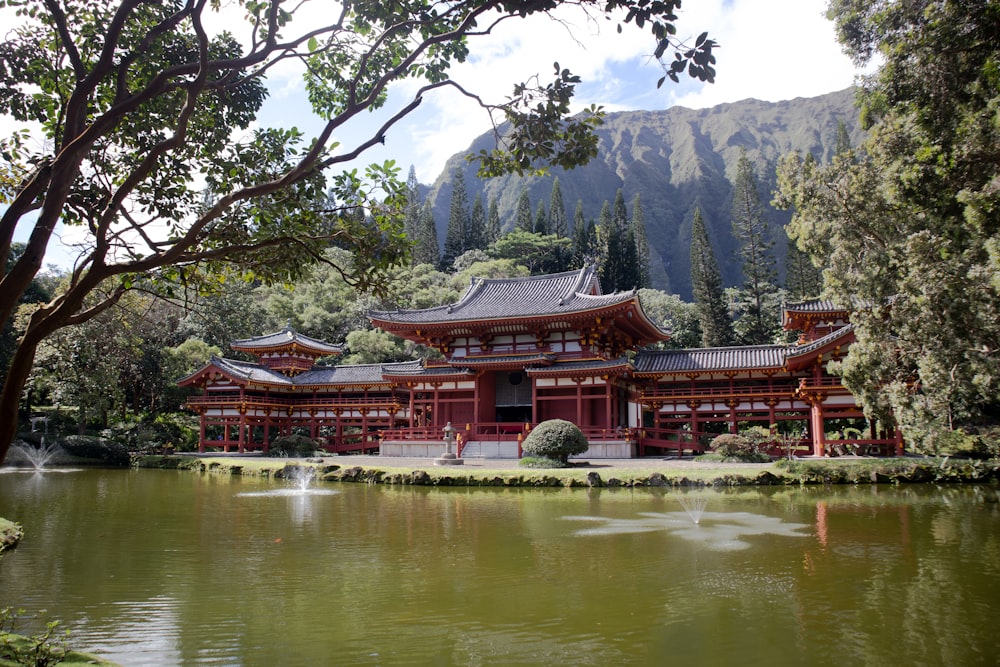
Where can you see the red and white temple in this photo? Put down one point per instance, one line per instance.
(515, 352)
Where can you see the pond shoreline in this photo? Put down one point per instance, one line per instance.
(598, 473)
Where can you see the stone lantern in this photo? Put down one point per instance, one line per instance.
(449, 458)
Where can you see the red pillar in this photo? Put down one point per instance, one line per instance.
(201, 434)
(816, 425)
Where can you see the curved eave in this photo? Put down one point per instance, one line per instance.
(449, 374)
(293, 346)
(810, 354)
(201, 376)
(639, 326)
(504, 362)
(577, 370)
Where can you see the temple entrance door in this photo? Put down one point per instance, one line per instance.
(513, 397)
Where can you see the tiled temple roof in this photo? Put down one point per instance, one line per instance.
(351, 374)
(746, 357)
(283, 338)
(490, 299)
(815, 306)
(251, 372)
(585, 365)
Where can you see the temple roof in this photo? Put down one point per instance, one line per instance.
(287, 337)
(491, 299)
(583, 367)
(353, 374)
(741, 358)
(244, 372)
(748, 357)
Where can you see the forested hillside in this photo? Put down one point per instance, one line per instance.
(675, 160)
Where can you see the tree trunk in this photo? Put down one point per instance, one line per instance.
(10, 397)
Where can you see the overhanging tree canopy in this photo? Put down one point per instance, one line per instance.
(141, 109)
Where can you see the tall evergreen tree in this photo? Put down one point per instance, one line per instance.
(641, 241)
(758, 323)
(558, 224)
(803, 279)
(411, 222)
(541, 219)
(629, 272)
(427, 250)
(492, 223)
(706, 284)
(475, 237)
(582, 251)
(458, 221)
(522, 215)
(620, 213)
(612, 265)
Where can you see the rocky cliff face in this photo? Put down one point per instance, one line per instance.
(676, 160)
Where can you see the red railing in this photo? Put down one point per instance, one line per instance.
(785, 389)
(297, 402)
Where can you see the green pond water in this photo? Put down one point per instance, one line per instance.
(176, 568)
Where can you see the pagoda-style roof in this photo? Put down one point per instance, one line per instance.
(741, 358)
(801, 356)
(288, 339)
(569, 300)
(244, 373)
(710, 359)
(584, 368)
(360, 374)
(238, 372)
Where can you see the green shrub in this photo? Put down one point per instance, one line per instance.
(541, 462)
(92, 447)
(738, 447)
(555, 439)
(293, 446)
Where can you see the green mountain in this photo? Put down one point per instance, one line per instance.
(675, 160)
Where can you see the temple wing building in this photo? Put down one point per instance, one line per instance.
(514, 352)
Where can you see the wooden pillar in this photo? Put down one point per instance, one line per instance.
(579, 400)
(607, 404)
(413, 407)
(816, 426)
(242, 425)
(475, 398)
(535, 417)
(201, 433)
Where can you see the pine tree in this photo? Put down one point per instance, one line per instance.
(803, 279)
(475, 237)
(609, 248)
(706, 284)
(411, 221)
(522, 215)
(427, 250)
(492, 223)
(558, 224)
(582, 251)
(620, 215)
(541, 219)
(757, 323)
(629, 264)
(641, 241)
(458, 221)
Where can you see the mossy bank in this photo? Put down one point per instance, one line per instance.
(623, 474)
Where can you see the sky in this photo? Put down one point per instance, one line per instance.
(769, 50)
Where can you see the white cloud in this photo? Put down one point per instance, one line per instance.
(770, 50)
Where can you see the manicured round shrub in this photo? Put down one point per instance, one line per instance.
(293, 446)
(735, 447)
(555, 439)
